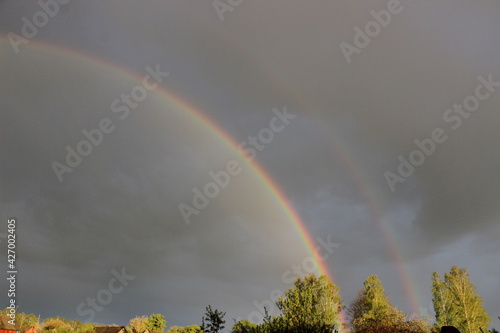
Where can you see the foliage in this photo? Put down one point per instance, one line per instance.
(23, 319)
(52, 324)
(244, 326)
(213, 321)
(138, 324)
(313, 302)
(84, 328)
(77, 326)
(440, 300)
(156, 322)
(371, 309)
(312, 305)
(187, 329)
(456, 302)
(372, 312)
(56, 325)
(280, 325)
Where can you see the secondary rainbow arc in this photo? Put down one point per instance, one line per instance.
(368, 195)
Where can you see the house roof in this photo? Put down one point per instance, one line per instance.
(109, 329)
(25, 329)
(4, 323)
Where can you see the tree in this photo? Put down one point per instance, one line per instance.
(372, 312)
(56, 325)
(213, 321)
(441, 301)
(244, 326)
(313, 302)
(85, 328)
(187, 329)
(312, 305)
(138, 324)
(79, 327)
(156, 322)
(456, 302)
(23, 319)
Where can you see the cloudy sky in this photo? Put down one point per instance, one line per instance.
(384, 140)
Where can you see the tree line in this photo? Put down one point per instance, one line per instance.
(314, 305)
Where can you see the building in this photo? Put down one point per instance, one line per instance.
(5, 326)
(27, 329)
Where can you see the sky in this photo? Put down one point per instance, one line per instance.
(154, 153)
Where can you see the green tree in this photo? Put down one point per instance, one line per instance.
(85, 328)
(187, 329)
(372, 312)
(244, 326)
(156, 322)
(79, 327)
(56, 325)
(24, 319)
(456, 302)
(213, 321)
(313, 302)
(138, 324)
(441, 302)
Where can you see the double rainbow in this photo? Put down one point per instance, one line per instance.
(266, 181)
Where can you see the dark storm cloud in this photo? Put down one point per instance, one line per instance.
(118, 208)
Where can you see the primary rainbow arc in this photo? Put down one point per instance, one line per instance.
(261, 174)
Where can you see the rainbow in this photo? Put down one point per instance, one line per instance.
(387, 233)
(367, 192)
(263, 177)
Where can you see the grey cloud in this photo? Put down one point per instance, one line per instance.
(119, 207)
